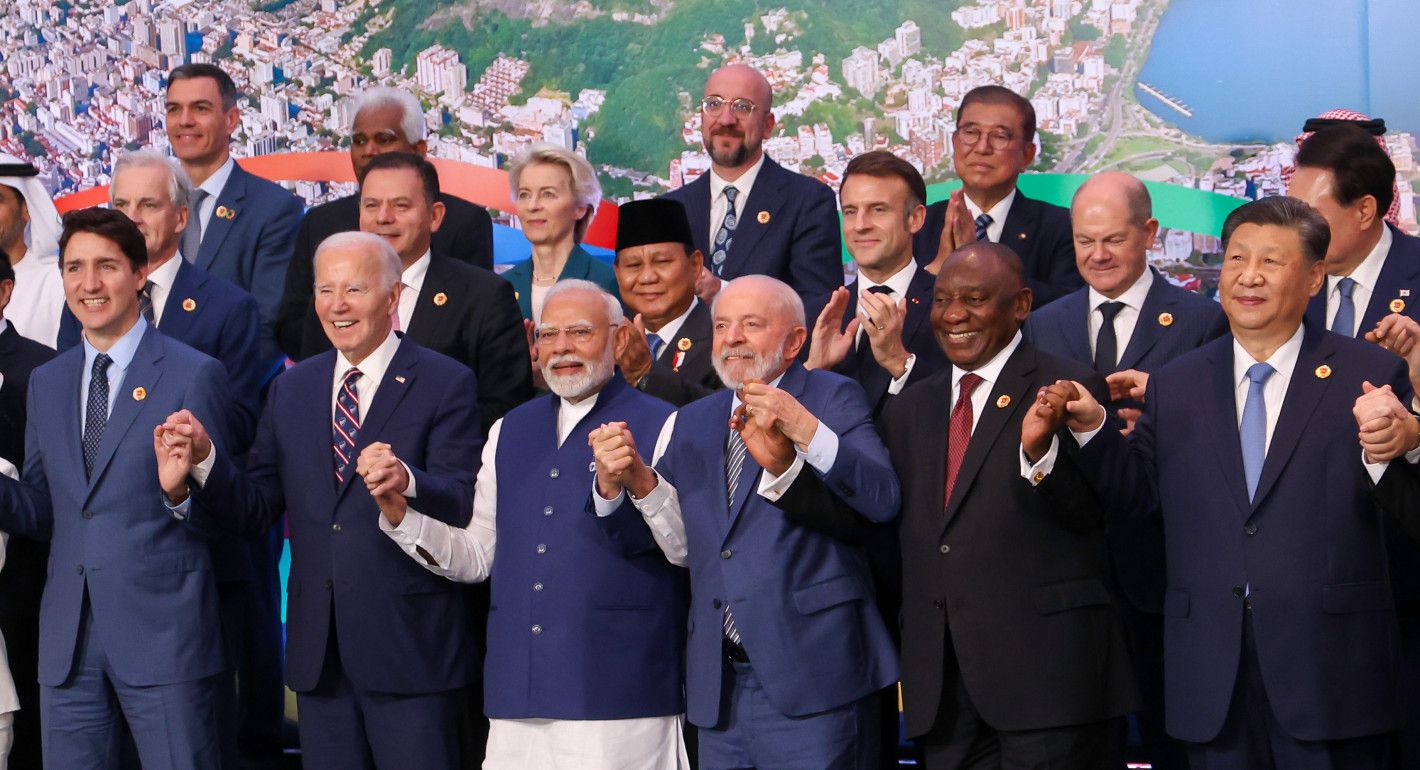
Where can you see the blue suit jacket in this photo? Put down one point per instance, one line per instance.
(386, 607)
(579, 264)
(215, 317)
(251, 249)
(803, 601)
(788, 229)
(917, 337)
(148, 576)
(1307, 552)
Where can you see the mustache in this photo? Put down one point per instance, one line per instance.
(728, 352)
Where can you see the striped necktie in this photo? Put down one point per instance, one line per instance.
(347, 424)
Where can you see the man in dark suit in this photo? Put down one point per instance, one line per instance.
(22, 580)
(386, 120)
(465, 312)
(656, 267)
(876, 330)
(991, 147)
(1279, 617)
(778, 587)
(1013, 665)
(1127, 322)
(241, 225)
(129, 622)
(377, 648)
(749, 215)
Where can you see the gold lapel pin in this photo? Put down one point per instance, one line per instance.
(225, 213)
(683, 344)
(1021, 236)
(1397, 305)
(440, 299)
(1323, 371)
(763, 217)
(140, 393)
(399, 378)
(189, 304)
(1003, 402)
(517, 295)
(1165, 319)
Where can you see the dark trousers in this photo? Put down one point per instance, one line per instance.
(261, 693)
(1407, 739)
(1144, 633)
(1253, 739)
(472, 724)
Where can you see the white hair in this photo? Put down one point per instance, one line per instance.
(614, 314)
(412, 122)
(373, 245)
(781, 296)
(586, 190)
(179, 183)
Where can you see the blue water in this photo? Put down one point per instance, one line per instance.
(1255, 71)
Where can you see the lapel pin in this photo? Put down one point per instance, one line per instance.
(592, 467)
(763, 217)
(189, 304)
(399, 378)
(678, 359)
(1003, 402)
(1323, 371)
(683, 344)
(440, 299)
(1397, 306)
(916, 301)
(223, 212)
(1021, 236)
(140, 393)
(517, 295)
(1405, 292)
(1165, 319)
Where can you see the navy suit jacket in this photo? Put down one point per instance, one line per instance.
(684, 371)
(579, 264)
(252, 247)
(1307, 553)
(215, 317)
(148, 576)
(1037, 231)
(917, 337)
(803, 600)
(788, 229)
(1062, 329)
(386, 607)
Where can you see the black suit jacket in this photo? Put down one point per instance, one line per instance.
(466, 234)
(22, 580)
(1037, 231)
(917, 337)
(1007, 582)
(468, 314)
(684, 372)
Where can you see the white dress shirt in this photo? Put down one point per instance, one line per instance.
(37, 303)
(897, 284)
(162, 278)
(998, 215)
(1127, 317)
(1365, 275)
(213, 187)
(413, 280)
(720, 205)
(989, 373)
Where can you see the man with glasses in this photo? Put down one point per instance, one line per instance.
(993, 144)
(749, 214)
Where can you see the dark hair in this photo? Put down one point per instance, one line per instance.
(225, 86)
(1002, 95)
(883, 164)
(108, 224)
(1359, 165)
(7, 271)
(428, 175)
(1283, 211)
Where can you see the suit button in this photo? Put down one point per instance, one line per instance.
(537, 586)
(939, 604)
(946, 548)
(329, 584)
(547, 511)
(88, 514)
(541, 548)
(81, 569)
(727, 553)
(716, 604)
(536, 629)
(335, 528)
(1251, 529)
(1237, 592)
(554, 473)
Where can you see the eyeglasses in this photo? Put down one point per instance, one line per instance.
(578, 334)
(970, 134)
(742, 108)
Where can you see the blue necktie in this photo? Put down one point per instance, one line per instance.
(726, 233)
(347, 424)
(1254, 426)
(655, 343)
(96, 411)
(192, 236)
(1345, 320)
(982, 223)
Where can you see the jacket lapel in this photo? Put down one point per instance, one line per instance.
(919, 303)
(398, 379)
(1304, 392)
(1021, 223)
(233, 193)
(1014, 382)
(425, 311)
(1316, 308)
(187, 283)
(1220, 414)
(143, 372)
(1147, 329)
(1400, 272)
(1076, 329)
(765, 198)
(697, 195)
(695, 331)
(792, 383)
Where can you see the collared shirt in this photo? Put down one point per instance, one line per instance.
(998, 214)
(121, 353)
(719, 204)
(162, 278)
(413, 280)
(989, 372)
(1365, 275)
(668, 330)
(1127, 317)
(213, 187)
(898, 283)
(37, 303)
(1283, 361)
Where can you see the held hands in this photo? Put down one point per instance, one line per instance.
(958, 231)
(764, 441)
(633, 354)
(619, 464)
(1385, 428)
(386, 479)
(178, 444)
(1128, 384)
(1399, 334)
(830, 346)
(882, 324)
(782, 410)
(1065, 403)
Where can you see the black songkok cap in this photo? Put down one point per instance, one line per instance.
(654, 220)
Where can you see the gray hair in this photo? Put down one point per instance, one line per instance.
(391, 269)
(781, 296)
(179, 183)
(586, 190)
(383, 96)
(614, 314)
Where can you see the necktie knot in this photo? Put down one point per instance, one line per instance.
(983, 223)
(731, 192)
(880, 290)
(1110, 309)
(969, 383)
(1258, 373)
(1346, 286)
(654, 342)
(101, 362)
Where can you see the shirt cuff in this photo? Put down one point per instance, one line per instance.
(180, 511)
(1413, 456)
(895, 387)
(822, 452)
(774, 488)
(1084, 438)
(1036, 473)
(603, 506)
(202, 470)
(651, 504)
(410, 529)
(1376, 470)
(411, 490)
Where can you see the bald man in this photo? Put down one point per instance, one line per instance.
(749, 214)
(1128, 321)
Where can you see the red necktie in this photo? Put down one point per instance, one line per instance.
(959, 431)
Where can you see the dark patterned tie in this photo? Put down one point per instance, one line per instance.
(982, 223)
(192, 236)
(96, 411)
(1107, 342)
(726, 233)
(347, 424)
(959, 432)
(734, 463)
(145, 301)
